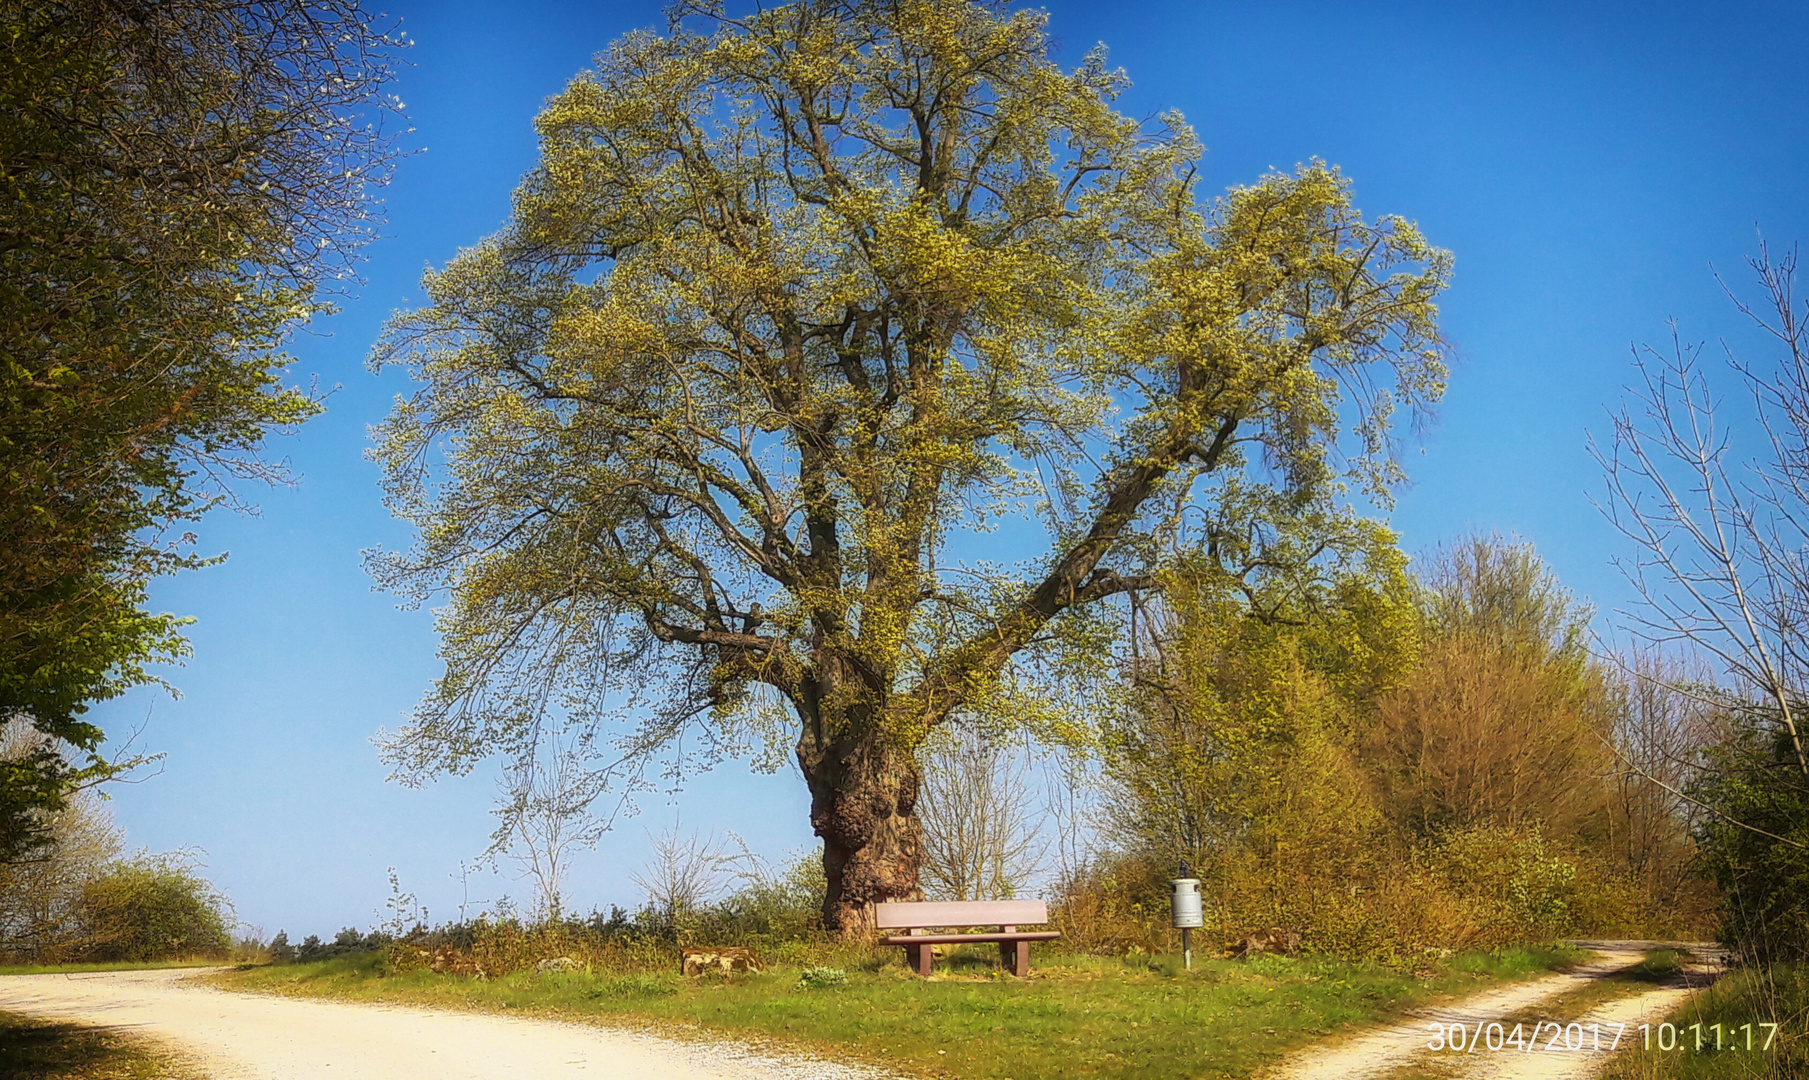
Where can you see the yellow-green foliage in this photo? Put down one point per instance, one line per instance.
(152, 908)
(789, 302)
(1507, 720)
(1239, 745)
(1486, 889)
(1269, 748)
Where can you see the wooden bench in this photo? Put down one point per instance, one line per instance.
(1007, 915)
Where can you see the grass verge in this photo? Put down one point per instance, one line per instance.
(1776, 994)
(32, 1049)
(146, 965)
(1076, 1017)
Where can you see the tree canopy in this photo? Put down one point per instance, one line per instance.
(799, 305)
(180, 181)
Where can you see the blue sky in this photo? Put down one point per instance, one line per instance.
(1587, 163)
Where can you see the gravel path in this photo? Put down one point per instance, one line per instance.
(1387, 1050)
(1563, 1063)
(254, 1037)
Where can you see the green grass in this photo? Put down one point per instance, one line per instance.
(119, 965)
(44, 1050)
(1078, 1016)
(1774, 994)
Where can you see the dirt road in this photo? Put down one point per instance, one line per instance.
(1554, 1060)
(252, 1037)
(1405, 1046)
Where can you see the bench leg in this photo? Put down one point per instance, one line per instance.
(921, 957)
(1022, 967)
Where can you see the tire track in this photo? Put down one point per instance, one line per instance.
(1389, 1050)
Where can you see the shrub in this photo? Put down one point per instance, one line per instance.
(1484, 887)
(153, 908)
(491, 947)
(775, 913)
(281, 952)
(345, 943)
(1763, 875)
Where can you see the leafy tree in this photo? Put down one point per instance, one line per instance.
(180, 179)
(35, 783)
(1239, 740)
(798, 304)
(1507, 721)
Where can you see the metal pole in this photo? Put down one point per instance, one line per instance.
(1186, 932)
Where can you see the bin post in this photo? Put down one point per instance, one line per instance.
(1185, 912)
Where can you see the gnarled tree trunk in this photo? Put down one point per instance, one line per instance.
(863, 804)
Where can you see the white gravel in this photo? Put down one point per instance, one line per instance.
(257, 1037)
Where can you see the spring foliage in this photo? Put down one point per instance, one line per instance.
(154, 908)
(1383, 761)
(180, 179)
(796, 304)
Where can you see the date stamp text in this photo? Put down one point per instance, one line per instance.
(1557, 1037)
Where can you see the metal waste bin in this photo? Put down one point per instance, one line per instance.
(1185, 904)
(1185, 913)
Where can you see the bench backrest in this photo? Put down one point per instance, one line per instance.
(960, 913)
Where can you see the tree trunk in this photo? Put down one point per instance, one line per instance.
(863, 803)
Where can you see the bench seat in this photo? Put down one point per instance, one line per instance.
(962, 939)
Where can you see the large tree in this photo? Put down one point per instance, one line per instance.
(798, 304)
(180, 179)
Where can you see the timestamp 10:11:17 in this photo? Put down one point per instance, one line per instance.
(1667, 1036)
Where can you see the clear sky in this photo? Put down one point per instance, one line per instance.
(1586, 162)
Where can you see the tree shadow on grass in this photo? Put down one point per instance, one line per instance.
(48, 1050)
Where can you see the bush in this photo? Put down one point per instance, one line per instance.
(281, 952)
(1754, 779)
(491, 947)
(774, 913)
(153, 908)
(345, 943)
(1478, 888)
